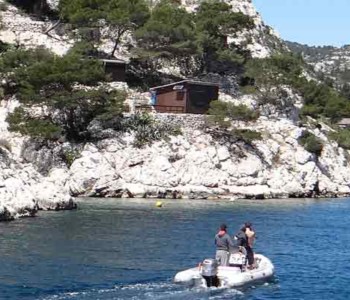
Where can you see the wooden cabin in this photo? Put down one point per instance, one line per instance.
(185, 96)
(115, 68)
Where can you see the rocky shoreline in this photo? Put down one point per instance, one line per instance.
(193, 165)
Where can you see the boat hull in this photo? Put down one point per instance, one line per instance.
(230, 276)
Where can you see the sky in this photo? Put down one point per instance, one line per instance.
(311, 22)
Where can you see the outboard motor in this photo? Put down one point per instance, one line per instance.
(209, 271)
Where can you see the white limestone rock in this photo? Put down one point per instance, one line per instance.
(53, 4)
(280, 169)
(22, 189)
(21, 30)
(223, 153)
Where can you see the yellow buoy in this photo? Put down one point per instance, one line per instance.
(159, 203)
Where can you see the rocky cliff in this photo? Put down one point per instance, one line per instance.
(195, 164)
(23, 190)
(329, 61)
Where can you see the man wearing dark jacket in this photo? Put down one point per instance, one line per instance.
(246, 242)
(223, 244)
(241, 238)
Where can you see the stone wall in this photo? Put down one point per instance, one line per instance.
(189, 121)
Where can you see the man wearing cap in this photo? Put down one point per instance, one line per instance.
(223, 244)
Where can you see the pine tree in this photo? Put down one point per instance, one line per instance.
(169, 32)
(42, 79)
(215, 21)
(119, 16)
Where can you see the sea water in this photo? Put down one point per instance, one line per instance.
(130, 249)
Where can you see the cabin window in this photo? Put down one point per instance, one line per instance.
(180, 95)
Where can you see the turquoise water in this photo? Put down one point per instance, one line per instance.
(129, 249)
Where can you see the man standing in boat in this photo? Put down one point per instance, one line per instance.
(223, 244)
(250, 242)
(245, 239)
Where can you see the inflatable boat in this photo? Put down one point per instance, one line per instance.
(236, 274)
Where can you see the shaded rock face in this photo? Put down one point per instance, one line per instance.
(228, 84)
(45, 155)
(39, 8)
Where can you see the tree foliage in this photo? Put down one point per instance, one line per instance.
(284, 68)
(41, 79)
(320, 99)
(118, 16)
(166, 30)
(31, 71)
(172, 32)
(215, 21)
(268, 77)
(169, 32)
(20, 121)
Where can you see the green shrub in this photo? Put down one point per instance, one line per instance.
(5, 46)
(147, 130)
(342, 137)
(282, 68)
(69, 155)
(222, 113)
(233, 136)
(322, 100)
(246, 135)
(311, 143)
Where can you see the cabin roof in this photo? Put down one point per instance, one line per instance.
(185, 81)
(113, 61)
